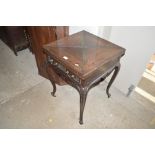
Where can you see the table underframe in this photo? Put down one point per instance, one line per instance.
(77, 83)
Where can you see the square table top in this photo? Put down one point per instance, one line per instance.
(83, 52)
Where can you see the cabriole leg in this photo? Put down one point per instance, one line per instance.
(52, 82)
(83, 96)
(117, 68)
(54, 88)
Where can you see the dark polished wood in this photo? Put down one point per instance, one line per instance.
(83, 60)
(116, 70)
(40, 35)
(14, 37)
(51, 80)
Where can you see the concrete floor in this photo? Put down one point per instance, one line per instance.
(25, 100)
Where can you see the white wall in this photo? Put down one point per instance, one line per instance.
(101, 31)
(140, 45)
(91, 29)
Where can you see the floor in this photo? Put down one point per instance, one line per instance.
(25, 100)
(147, 83)
(146, 86)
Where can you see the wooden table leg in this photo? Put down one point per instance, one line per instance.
(116, 70)
(83, 96)
(52, 82)
(54, 88)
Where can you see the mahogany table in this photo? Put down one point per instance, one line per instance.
(83, 60)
